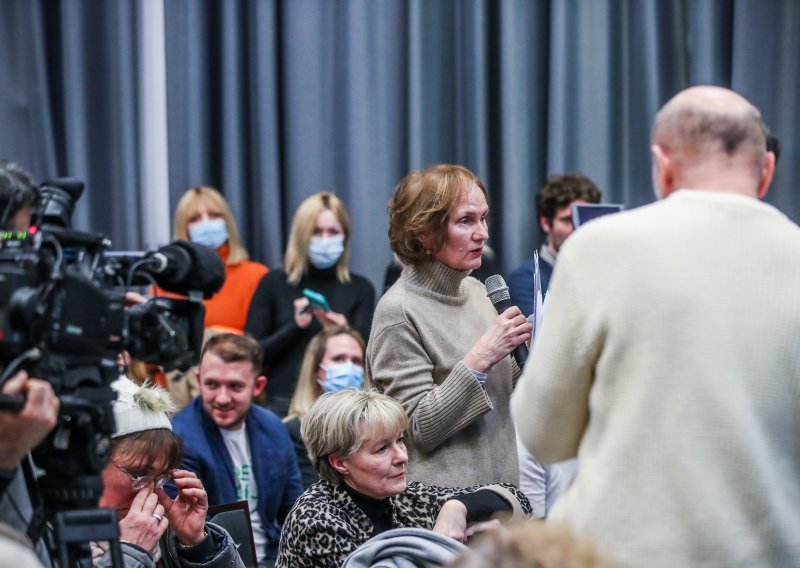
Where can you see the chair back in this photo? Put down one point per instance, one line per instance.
(235, 518)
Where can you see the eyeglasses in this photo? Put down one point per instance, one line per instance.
(139, 482)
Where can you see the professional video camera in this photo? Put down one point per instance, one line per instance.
(63, 318)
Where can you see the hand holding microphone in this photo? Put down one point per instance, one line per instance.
(508, 332)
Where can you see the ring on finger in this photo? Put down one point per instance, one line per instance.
(157, 517)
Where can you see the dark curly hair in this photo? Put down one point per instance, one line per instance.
(561, 190)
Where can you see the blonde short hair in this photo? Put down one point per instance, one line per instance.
(187, 206)
(307, 389)
(336, 424)
(295, 261)
(421, 203)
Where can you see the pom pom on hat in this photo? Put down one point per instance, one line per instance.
(140, 408)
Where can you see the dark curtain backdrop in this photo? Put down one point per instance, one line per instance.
(272, 100)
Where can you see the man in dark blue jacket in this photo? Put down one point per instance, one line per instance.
(239, 450)
(554, 212)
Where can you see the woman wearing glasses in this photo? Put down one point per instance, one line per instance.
(153, 527)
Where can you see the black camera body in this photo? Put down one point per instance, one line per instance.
(63, 318)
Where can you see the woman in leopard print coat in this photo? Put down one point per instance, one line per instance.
(355, 442)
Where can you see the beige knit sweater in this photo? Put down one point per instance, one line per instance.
(461, 433)
(670, 361)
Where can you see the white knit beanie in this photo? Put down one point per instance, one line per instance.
(140, 408)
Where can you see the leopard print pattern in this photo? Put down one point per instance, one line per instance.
(325, 525)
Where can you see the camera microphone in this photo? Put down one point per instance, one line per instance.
(497, 290)
(170, 265)
(184, 266)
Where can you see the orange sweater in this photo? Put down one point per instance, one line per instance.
(229, 306)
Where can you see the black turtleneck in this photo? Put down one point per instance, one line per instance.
(378, 511)
(481, 505)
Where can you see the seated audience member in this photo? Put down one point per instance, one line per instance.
(153, 527)
(318, 258)
(239, 450)
(355, 441)
(554, 212)
(530, 544)
(334, 360)
(204, 217)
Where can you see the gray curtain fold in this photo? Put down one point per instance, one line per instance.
(273, 100)
(93, 80)
(27, 136)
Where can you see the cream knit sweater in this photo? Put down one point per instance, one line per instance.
(461, 433)
(670, 362)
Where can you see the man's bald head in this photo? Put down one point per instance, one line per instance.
(705, 131)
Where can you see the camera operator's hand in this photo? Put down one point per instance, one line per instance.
(145, 522)
(23, 431)
(187, 513)
(134, 299)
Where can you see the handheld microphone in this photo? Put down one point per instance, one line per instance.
(498, 293)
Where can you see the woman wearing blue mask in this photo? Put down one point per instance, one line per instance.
(204, 217)
(280, 318)
(333, 361)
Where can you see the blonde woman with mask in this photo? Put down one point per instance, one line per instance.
(333, 361)
(281, 318)
(204, 217)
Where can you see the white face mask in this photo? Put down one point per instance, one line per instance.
(324, 252)
(210, 232)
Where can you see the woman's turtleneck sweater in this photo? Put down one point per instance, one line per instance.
(271, 321)
(461, 433)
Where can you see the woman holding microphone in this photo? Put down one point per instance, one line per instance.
(438, 346)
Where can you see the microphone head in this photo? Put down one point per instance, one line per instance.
(496, 289)
(189, 267)
(171, 265)
(207, 272)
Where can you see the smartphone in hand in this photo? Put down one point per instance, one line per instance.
(316, 301)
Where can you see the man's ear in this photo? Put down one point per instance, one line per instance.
(663, 171)
(261, 384)
(338, 464)
(544, 223)
(767, 173)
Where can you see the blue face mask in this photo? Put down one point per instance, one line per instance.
(342, 376)
(324, 252)
(211, 233)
